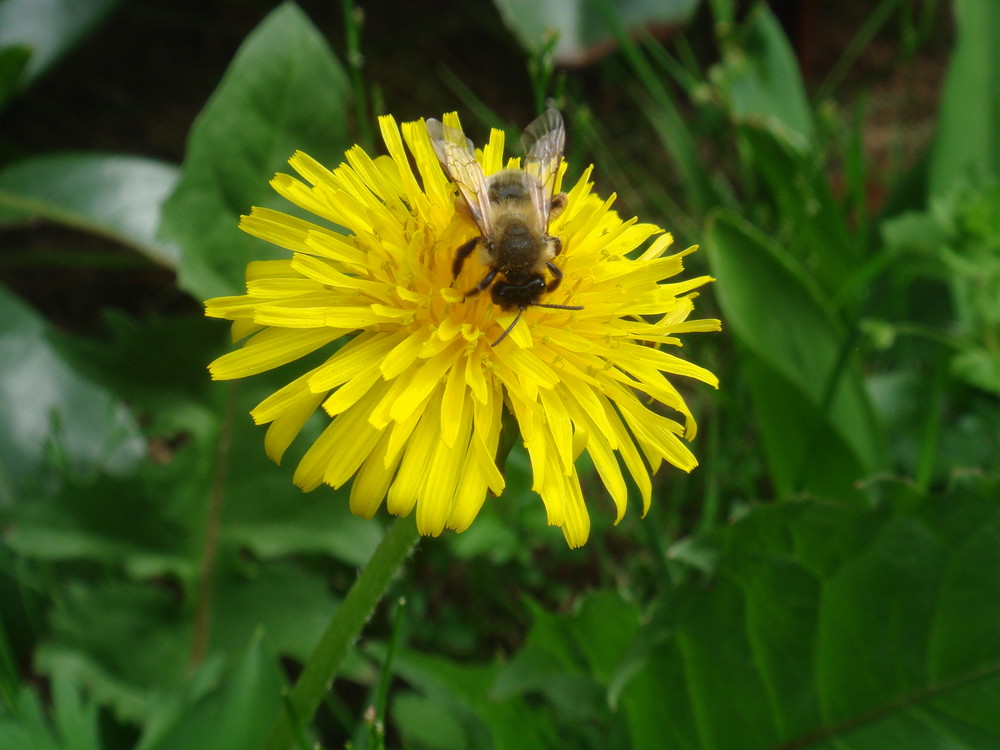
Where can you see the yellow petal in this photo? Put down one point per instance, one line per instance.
(271, 348)
(576, 526)
(285, 398)
(559, 425)
(420, 382)
(434, 507)
(412, 472)
(284, 429)
(357, 355)
(372, 480)
(352, 391)
(453, 404)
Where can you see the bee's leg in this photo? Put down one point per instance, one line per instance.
(557, 205)
(557, 276)
(460, 255)
(555, 244)
(484, 284)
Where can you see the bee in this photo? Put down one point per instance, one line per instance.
(512, 209)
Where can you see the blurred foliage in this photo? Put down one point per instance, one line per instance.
(829, 577)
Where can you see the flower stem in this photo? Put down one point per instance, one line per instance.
(210, 546)
(342, 632)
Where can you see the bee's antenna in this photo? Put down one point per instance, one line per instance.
(537, 304)
(560, 307)
(509, 328)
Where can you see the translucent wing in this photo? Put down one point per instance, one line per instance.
(543, 141)
(458, 157)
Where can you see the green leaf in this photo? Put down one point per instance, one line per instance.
(567, 661)
(581, 25)
(802, 443)
(966, 143)
(122, 640)
(46, 407)
(797, 189)
(73, 724)
(759, 77)
(171, 401)
(49, 28)
(151, 522)
(551, 694)
(284, 91)
(133, 642)
(819, 428)
(980, 367)
(463, 692)
(289, 522)
(265, 511)
(232, 715)
(140, 523)
(830, 627)
(428, 723)
(116, 196)
(292, 605)
(13, 61)
(822, 625)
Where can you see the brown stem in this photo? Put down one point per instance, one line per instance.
(203, 611)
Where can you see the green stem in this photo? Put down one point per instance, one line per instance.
(342, 632)
(210, 545)
(353, 17)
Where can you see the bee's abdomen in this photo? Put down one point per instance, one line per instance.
(508, 185)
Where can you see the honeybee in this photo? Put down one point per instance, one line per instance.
(512, 209)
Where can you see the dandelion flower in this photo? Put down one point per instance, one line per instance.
(413, 400)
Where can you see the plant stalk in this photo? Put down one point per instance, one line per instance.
(342, 632)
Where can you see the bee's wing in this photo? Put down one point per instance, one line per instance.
(543, 141)
(458, 157)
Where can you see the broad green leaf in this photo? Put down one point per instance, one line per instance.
(116, 196)
(75, 717)
(71, 725)
(122, 640)
(49, 28)
(176, 400)
(980, 367)
(759, 77)
(288, 521)
(12, 63)
(823, 626)
(966, 144)
(581, 27)
(292, 604)
(131, 642)
(234, 715)
(464, 692)
(804, 450)
(958, 241)
(21, 604)
(811, 403)
(151, 522)
(284, 91)
(265, 511)
(600, 632)
(145, 524)
(428, 723)
(830, 627)
(550, 694)
(46, 407)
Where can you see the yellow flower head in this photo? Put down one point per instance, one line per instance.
(414, 399)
